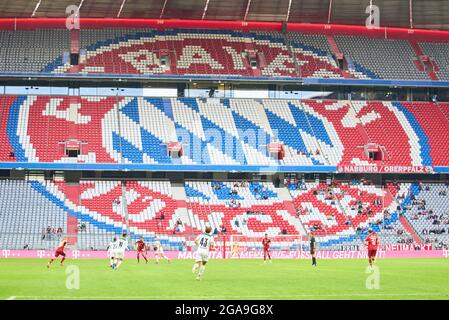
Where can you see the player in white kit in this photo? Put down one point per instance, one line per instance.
(204, 243)
(159, 251)
(118, 252)
(111, 251)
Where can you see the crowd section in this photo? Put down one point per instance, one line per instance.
(339, 213)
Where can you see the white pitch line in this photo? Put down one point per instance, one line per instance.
(11, 298)
(236, 297)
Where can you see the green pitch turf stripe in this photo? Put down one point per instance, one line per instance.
(226, 297)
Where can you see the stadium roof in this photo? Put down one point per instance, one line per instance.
(425, 14)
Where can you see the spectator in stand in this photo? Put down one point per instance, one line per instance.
(223, 229)
(59, 232)
(48, 236)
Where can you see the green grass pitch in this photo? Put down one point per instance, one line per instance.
(226, 279)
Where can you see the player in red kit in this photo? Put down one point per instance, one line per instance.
(141, 249)
(59, 252)
(266, 248)
(372, 241)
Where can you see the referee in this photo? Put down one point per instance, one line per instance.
(312, 248)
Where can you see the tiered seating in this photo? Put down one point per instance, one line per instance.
(383, 120)
(32, 51)
(227, 131)
(333, 214)
(348, 141)
(381, 58)
(248, 209)
(435, 127)
(444, 108)
(425, 207)
(368, 206)
(317, 143)
(5, 152)
(150, 207)
(319, 212)
(151, 210)
(25, 216)
(315, 56)
(243, 208)
(202, 52)
(437, 52)
(215, 52)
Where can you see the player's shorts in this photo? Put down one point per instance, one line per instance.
(372, 253)
(312, 251)
(202, 256)
(141, 251)
(59, 253)
(119, 254)
(110, 254)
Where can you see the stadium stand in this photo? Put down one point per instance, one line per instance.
(33, 51)
(225, 131)
(425, 207)
(244, 208)
(26, 215)
(128, 51)
(379, 57)
(31, 206)
(312, 133)
(436, 51)
(339, 214)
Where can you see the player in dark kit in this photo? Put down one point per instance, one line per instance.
(59, 252)
(141, 249)
(372, 242)
(266, 248)
(312, 248)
